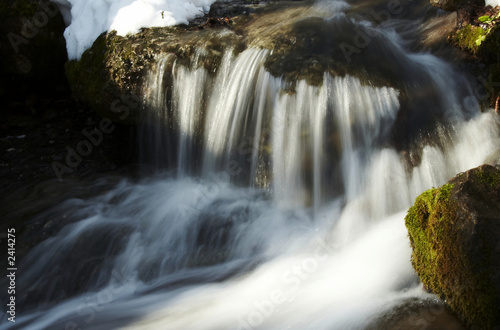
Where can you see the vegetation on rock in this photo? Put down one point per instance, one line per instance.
(479, 35)
(453, 232)
(470, 38)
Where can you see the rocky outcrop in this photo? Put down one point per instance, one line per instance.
(297, 34)
(454, 233)
(478, 34)
(113, 70)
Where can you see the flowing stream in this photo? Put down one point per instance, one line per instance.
(283, 206)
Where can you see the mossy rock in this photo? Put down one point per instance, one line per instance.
(116, 66)
(482, 42)
(467, 37)
(454, 232)
(479, 41)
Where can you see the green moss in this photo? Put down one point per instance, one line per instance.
(488, 178)
(421, 221)
(467, 38)
(436, 257)
(483, 42)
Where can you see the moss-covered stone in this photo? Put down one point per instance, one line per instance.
(115, 65)
(453, 232)
(469, 38)
(480, 37)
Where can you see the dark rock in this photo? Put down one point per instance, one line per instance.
(223, 9)
(454, 5)
(416, 314)
(32, 49)
(454, 234)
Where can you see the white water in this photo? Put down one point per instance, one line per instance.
(295, 221)
(335, 270)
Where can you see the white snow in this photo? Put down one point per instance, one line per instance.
(493, 3)
(87, 19)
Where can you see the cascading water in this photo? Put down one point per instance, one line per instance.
(286, 209)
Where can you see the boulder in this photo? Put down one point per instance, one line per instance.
(454, 233)
(297, 35)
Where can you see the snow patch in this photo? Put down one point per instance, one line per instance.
(493, 3)
(87, 19)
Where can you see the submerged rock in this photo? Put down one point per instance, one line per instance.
(454, 232)
(416, 314)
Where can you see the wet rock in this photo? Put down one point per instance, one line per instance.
(416, 313)
(454, 232)
(478, 35)
(110, 76)
(297, 35)
(454, 5)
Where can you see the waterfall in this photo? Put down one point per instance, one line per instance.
(285, 209)
(256, 127)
